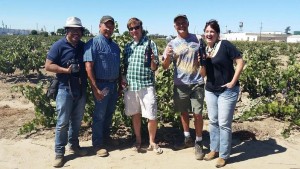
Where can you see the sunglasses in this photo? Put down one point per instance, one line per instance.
(134, 28)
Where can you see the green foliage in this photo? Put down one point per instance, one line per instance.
(277, 85)
(26, 53)
(164, 92)
(45, 34)
(44, 110)
(265, 77)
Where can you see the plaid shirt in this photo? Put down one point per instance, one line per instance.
(138, 76)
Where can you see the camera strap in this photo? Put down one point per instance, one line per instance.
(80, 88)
(149, 44)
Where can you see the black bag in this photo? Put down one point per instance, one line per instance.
(52, 89)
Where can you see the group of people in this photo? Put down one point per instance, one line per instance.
(98, 61)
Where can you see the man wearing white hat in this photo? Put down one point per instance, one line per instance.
(65, 58)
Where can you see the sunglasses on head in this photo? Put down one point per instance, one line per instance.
(134, 28)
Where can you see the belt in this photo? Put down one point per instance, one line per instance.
(196, 85)
(107, 80)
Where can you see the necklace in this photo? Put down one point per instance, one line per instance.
(210, 51)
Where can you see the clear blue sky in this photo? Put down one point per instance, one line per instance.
(157, 15)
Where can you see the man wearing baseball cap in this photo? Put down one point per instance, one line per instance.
(102, 60)
(65, 58)
(188, 82)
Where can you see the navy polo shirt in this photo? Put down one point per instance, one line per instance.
(61, 52)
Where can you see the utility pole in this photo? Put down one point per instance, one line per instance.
(91, 30)
(260, 31)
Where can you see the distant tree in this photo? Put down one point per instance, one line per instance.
(146, 32)
(86, 32)
(287, 29)
(34, 32)
(45, 34)
(52, 33)
(60, 31)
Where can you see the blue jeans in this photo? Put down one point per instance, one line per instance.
(103, 113)
(69, 116)
(220, 106)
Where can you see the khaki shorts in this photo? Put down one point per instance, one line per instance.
(142, 101)
(189, 98)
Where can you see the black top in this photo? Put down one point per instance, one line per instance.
(220, 68)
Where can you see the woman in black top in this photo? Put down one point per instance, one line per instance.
(221, 91)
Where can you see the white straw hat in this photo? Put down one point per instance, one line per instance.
(73, 22)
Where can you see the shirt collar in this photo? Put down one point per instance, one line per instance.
(141, 42)
(104, 38)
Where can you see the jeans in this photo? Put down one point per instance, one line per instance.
(103, 113)
(220, 106)
(69, 116)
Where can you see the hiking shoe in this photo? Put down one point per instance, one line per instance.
(59, 161)
(199, 150)
(101, 152)
(211, 155)
(220, 162)
(78, 151)
(188, 142)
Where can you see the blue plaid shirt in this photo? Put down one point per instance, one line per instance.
(105, 54)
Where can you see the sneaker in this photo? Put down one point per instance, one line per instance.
(59, 161)
(78, 151)
(188, 142)
(101, 152)
(211, 155)
(220, 162)
(199, 150)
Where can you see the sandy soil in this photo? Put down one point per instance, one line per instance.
(256, 144)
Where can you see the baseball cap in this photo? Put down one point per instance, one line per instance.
(73, 22)
(180, 15)
(106, 18)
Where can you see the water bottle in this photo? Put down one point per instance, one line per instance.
(105, 91)
(169, 39)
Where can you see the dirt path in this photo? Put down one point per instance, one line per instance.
(37, 154)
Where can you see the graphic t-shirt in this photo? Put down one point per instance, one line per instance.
(185, 60)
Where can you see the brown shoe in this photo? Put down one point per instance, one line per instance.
(59, 161)
(101, 152)
(220, 162)
(211, 155)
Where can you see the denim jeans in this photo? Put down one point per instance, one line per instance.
(220, 106)
(69, 116)
(103, 113)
